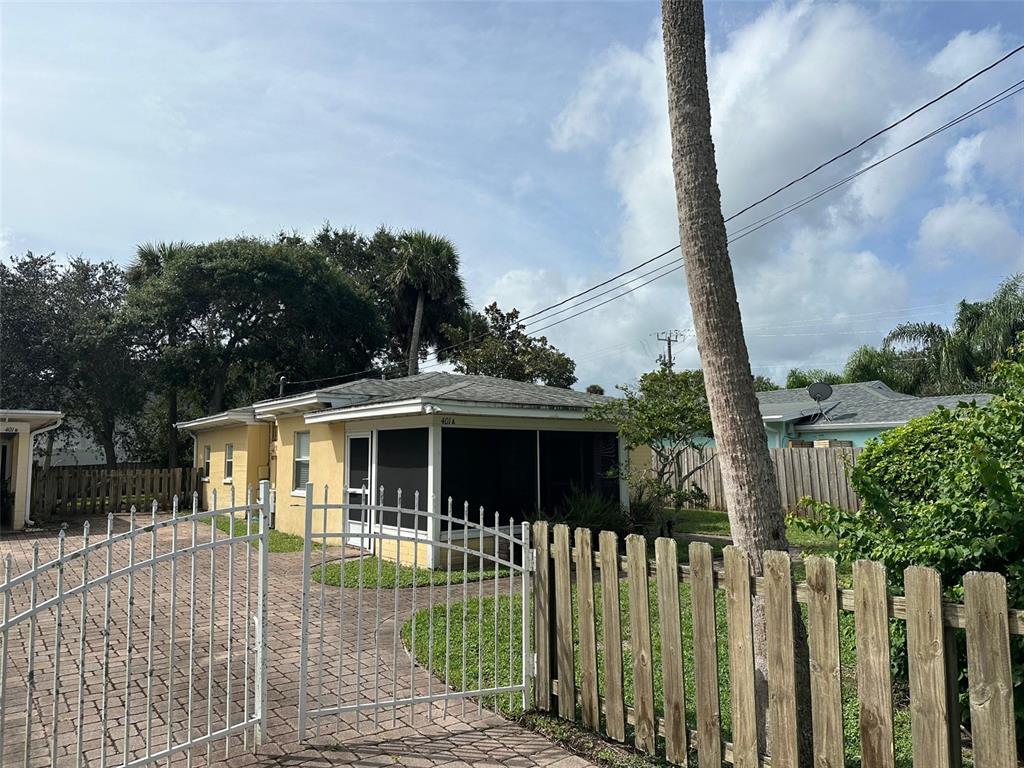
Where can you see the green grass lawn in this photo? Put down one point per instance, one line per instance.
(465, 621)
(277, 541)
(406, 575)
(709, 522)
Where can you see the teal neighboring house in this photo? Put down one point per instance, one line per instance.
(852, 415)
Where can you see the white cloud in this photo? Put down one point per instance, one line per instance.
(966, 53)
(961, 160)
(968, 229)
(776, 111)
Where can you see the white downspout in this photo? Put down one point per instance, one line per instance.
(31, 452)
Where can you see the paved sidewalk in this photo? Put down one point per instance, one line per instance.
(452, 740)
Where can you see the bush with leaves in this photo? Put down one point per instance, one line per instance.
(944, 491)
(667, 413)
(589, 508)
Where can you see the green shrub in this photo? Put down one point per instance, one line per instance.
(589, 508)
(944, 491)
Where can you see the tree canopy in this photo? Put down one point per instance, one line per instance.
(244, 309)
(495, 343)
(191, 329)
(668, 412)
(927, 358)
(67, 346)
(404, 273)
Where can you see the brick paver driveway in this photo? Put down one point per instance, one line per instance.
(452, 740)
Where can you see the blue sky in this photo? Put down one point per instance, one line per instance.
(535, 136)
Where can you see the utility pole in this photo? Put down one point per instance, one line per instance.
(669, 337)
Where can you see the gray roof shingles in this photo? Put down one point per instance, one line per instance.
(464, 388)
(866, 402)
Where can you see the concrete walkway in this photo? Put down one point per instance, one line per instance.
(141, 710)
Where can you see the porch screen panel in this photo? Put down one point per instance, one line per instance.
(493, 468)
(402, 462)
(581, 460)
(358, 474)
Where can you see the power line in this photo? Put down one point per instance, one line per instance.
(977, 109)
(988, 103)
(747, 230)
(661, 255)
(876, 134)
(789, 184)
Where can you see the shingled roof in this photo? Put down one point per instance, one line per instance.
(462, 388)
(860, 403)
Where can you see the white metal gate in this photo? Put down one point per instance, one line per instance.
(367, 610)
(139, 647)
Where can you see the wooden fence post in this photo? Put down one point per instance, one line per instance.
(640, 642)
(588, 633)
(874, 678)
(741, 658)
(778, 609)
(565, 647)
(989, 671)
(673, 681)
(823, 647)
(615, 706)
(705, 657)
(926, 662)
(544, 617)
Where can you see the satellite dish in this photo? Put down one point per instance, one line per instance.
(819, 391)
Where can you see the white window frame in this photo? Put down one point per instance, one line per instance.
(229, 461)
(207, 455)
(296, 458)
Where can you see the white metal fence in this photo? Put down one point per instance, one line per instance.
(144, 646)
(356, 660)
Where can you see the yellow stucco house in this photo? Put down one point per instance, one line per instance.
(18, 430)
(500, 445)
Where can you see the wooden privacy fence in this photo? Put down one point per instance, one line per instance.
(597, 697)
(821, 473)
(60, 491)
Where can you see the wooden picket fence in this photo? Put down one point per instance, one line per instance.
(81, 490)
(821, 473)
(931, 624)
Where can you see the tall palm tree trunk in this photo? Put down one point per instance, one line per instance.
(748, 478)
(414, 340)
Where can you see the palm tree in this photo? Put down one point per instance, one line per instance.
(426, 269)
(751, 490)
(959, 358)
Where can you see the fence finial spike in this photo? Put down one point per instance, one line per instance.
(174, 506)
(85, 528)
(399, 498)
